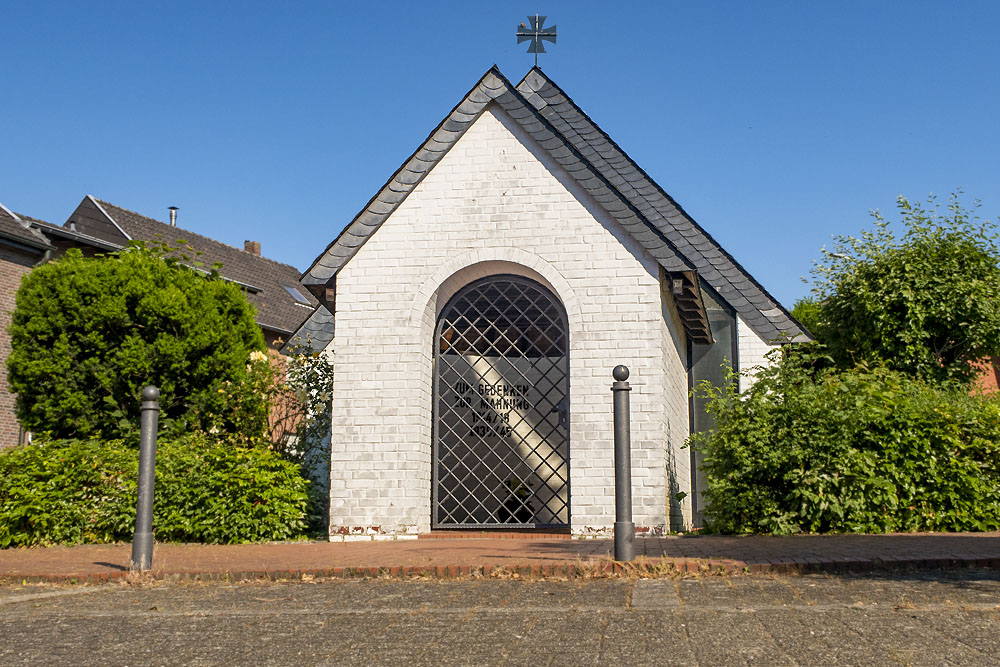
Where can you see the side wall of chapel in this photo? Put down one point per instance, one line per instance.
(752, 351)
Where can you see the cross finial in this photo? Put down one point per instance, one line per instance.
(536, 34)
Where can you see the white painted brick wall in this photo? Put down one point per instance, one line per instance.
(497, 204)
(752, 350)
(677, 463)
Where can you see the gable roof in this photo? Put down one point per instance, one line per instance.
(589, 156)
(15, 229)
(264, 280)
(493, 87)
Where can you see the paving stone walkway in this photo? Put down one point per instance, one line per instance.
(529, 557)
(892, 619)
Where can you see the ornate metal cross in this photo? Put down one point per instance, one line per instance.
(536, 34)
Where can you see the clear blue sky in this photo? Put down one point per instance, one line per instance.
(775, 124)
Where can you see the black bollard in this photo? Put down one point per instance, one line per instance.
(624, 528)
(142, 542)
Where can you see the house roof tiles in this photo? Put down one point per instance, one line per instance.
(15, 227)
(265, 278)
(314, 334)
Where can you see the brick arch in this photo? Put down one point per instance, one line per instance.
(460, 271)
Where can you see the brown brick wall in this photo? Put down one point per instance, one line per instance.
(284, 415)
(13, 266)
(989, 375)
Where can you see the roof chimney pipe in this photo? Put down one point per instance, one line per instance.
(173, 216)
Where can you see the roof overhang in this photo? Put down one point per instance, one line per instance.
(71, 235)
(24, 245)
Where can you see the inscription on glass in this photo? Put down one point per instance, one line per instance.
(501, 453)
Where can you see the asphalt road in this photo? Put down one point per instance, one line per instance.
(915, 619)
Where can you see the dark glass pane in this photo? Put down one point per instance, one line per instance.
(711, 363)
(296, 294)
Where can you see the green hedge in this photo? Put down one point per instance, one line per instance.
(84, 491)
(864, 450)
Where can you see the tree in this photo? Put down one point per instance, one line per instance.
(925, 303)
(88, 333)
(808, 312)
(869, 429)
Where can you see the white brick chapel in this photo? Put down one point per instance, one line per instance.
(475, 308)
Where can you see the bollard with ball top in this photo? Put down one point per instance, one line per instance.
(624, 528)
(142, 542)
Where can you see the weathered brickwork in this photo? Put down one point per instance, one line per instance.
(13, 266)
(496, 203)
(283, 417)
(988, 378)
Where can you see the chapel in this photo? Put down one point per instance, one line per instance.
(473, 312)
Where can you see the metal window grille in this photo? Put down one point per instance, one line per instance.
(501, 422)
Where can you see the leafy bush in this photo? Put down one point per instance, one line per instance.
(813, 448)
(73, 491)
(244, 405)
(309, 388)
(88, 333)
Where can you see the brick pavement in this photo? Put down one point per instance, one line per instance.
(555, 556)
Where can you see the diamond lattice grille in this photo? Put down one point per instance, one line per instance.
(501, 451)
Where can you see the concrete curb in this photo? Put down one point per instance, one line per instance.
(643, 568)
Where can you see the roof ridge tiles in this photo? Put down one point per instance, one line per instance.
(4, 211)
(18, 228)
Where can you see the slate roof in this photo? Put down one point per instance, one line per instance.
(715, 266)
(493, 87)
(15, 227)
(263, 278)
(643, 209)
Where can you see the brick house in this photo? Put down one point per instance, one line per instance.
(21, 248)
(96, 226)
(474, 310)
